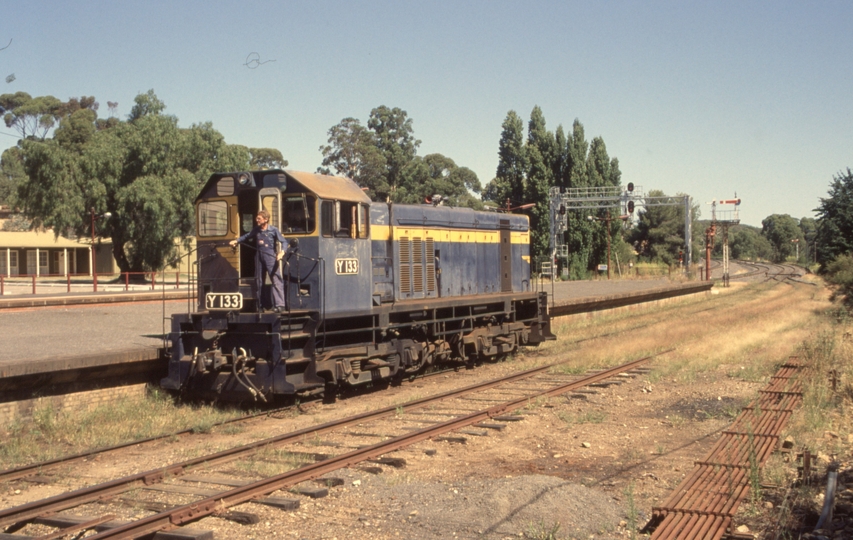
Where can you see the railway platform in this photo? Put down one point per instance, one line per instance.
(53, 345)
(48, 334)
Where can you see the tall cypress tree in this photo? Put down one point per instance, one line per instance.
(579, 230)
(561, 158)
(577, 150)
(512, 163)
(541, 153)
(615, 173)
(598, 170)
(598, 164)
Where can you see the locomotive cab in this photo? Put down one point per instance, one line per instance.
(324, 218)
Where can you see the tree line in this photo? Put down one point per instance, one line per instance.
(381, 156)
(145, 171)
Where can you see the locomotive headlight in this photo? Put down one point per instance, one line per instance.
(243, 178)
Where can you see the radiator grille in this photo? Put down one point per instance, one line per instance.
(405, 265)
(430, 266)
(417, 265)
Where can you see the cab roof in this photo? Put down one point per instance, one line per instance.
(325, 186)
(330, 187)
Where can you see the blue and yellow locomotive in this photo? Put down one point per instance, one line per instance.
(374, 291)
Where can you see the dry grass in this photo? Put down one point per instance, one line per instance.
(744, 335)
(51, 434)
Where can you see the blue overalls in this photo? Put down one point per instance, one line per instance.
(266, 263)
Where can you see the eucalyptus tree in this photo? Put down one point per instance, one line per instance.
(747, 243)
(659, 234)
(267, 158)
(394, 138)
(11, 174)
(352, 152)
(29, 116)
(436, 174)
(145, 172)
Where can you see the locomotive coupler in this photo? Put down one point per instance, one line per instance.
(210, 360)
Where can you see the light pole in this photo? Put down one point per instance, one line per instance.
(106, 215)
(796, 242)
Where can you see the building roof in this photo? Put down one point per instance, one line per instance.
(40, 240)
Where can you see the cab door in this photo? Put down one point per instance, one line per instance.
(269, 199)
(248, 204)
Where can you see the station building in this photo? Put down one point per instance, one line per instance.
(41, 253)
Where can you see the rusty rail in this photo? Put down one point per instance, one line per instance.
(703, 505)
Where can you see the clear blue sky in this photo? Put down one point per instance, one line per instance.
(707, 99)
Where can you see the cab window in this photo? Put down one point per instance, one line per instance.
(343, 219)
(300, 214)
(212, 218)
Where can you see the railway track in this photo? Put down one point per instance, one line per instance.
(441, 414)
(43, 467)
(772, 272)
(46, 466)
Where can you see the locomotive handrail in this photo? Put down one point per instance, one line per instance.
(321, 263)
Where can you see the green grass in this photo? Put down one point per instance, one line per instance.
(542, 531)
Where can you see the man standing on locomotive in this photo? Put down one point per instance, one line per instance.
(266, 258)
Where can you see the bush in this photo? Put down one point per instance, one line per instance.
(839, 273)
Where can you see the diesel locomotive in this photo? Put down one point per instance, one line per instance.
(374, 291)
